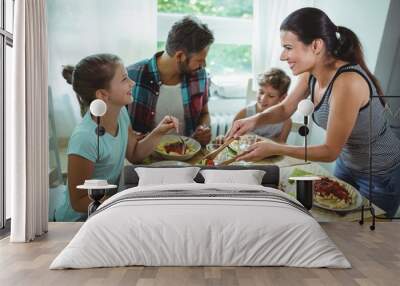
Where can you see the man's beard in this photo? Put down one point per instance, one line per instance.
(184, 68)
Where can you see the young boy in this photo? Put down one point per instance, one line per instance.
(273, 87)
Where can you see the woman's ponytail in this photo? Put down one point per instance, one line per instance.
(349, 49)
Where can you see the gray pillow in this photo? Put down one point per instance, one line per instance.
(246, 177)
(166, 176)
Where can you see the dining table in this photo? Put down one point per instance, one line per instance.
(287, 167)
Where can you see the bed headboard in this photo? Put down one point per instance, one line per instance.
(271, 178)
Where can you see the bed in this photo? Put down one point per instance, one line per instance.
(201, 224)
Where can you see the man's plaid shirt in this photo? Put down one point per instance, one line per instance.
(194, 90)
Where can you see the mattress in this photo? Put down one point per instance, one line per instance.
(201, 225)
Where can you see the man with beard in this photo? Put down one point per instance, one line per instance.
(174, 82)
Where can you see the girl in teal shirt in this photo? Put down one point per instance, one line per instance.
(104, 77)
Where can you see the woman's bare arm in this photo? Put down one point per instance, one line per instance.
(79, 170)
(350, 92)
(287, 126)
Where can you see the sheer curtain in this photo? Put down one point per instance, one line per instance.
(26, 117)
(268, 16)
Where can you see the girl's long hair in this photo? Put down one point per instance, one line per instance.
(89, 75)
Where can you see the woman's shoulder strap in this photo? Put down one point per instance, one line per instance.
(357, 69)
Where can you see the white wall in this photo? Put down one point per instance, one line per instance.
(365, 17)
(387, 70)
(388, 66)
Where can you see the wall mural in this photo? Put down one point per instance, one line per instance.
(157, 113)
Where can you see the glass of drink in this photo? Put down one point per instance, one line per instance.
(246, 141)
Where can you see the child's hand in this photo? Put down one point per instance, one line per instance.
(167, 124)
(202, 134)
(219, 139)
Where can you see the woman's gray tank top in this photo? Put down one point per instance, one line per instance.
(267, 131)
(355, 153)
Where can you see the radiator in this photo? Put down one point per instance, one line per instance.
(220, 123)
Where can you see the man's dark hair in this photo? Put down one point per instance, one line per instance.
(188, 35)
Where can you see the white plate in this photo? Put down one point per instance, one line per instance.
(169, 163)
(167, 139)
(355, 205)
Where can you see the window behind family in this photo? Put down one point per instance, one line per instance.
(229, 59)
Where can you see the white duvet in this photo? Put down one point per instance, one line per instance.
(219, 231)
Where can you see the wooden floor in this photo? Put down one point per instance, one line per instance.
(374, 255)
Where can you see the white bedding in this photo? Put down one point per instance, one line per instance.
(183, 231)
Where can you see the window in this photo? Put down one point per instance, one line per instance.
(6, 43)
(229, 59)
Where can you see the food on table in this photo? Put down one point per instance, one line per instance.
(176, 147)
(231, 151)
(206, 162)
(332, 194)
(299, 173)
(210, 162)
(234, 146)
(212, 147)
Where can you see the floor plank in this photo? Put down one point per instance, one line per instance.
(374, 255)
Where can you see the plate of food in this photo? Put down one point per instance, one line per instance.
(334, 194)
(177, 148)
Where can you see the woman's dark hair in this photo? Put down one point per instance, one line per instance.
(188, 35)
(89, 75)
(341, 43)
(276, 78)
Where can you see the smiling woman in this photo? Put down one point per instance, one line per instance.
(329, 61)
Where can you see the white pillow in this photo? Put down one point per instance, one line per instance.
(164, 176)
(248, 177)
